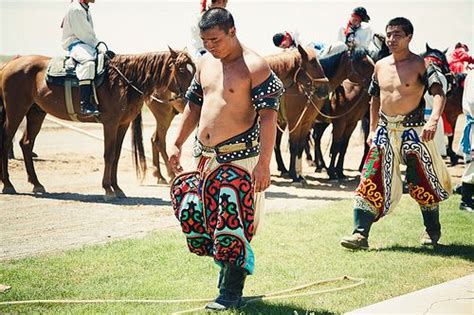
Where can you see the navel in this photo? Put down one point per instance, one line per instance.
(231, 90)
(407, 85)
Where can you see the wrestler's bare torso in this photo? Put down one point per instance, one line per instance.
(401, 85)
(227, 109)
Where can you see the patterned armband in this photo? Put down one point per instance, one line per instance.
(432, 76)
(374, 88)
(194, 93)
(267, 94)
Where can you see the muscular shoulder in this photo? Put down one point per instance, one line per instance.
(258, 67)
(418, 63)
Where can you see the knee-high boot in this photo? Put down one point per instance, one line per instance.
(432, 225)
(466, 197)
(231, 285)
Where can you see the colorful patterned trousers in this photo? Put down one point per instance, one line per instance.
(380, 187)
(218, 209)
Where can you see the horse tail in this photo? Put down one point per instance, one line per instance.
(2, 122)
(138, 150)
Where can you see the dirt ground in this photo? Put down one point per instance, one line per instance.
(73, 213)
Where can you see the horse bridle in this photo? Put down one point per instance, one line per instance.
(314, 82)
(180, 95)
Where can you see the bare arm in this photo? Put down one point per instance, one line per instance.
(261, 173)
(374, 112)
(439, 99)
(188, 123)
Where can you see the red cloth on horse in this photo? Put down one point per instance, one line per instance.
(458, 57)
(448, 129)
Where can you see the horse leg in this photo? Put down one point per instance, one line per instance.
(156, 150)
(122, 130)
(453, 157)
(307, 150)
(318, 131)
(9, 129)
(335, 149)
(278, 157)
(34, 120)
(110, 151)
(340, 160)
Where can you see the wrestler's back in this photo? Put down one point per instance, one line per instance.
(227, 109)
(401, 86)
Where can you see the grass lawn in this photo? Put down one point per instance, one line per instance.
(292, 249)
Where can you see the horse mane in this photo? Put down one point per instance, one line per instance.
(329, 62)
(283, 63)
(147, 71)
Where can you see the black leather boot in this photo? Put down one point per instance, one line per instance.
(87, 108)
(362, 222)
(432, 226)
(467, 204)
(231, 288)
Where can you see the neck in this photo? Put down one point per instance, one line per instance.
(235, 53)
(402, 55)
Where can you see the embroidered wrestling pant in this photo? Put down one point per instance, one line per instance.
(218, 209)
(380, 187)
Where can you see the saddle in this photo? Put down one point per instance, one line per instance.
(62, 69)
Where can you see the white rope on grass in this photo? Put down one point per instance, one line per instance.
(283, 294)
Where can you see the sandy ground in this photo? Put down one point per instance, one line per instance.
(73, 214)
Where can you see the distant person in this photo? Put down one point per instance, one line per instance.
(233, 100)
(196, 41)
(467, 189)
(287, 40)
(459, 58)
(80, 41)
(357, 32)
(400, 135)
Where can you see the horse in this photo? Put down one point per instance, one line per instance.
(453, 106)
(348, 105)
(305, 88)
(340, 63)
(23, 84)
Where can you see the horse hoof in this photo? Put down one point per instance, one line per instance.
(161, 181)
(285, 175)
(120, 194)
(9, 191)
(39, 190)
(297, 184)
(109, 197)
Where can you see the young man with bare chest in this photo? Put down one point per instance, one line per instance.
(233, 100)
(399, 135)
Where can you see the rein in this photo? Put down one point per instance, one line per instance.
(153, 97)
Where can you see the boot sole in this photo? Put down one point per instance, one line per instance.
(353, 246)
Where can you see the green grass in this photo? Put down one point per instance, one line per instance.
(292, 249)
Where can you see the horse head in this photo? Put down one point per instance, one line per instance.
(310, 76)
(183, 69)
(378, 48)
(361, 66)
(437, 57)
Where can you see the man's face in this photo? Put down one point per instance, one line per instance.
(355, 20)
(396, 38)
(218, 4)
(286, 42)
(217, 41)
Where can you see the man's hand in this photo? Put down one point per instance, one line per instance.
(261, 177)
(174, 160)
(429, 130)
(370, 138)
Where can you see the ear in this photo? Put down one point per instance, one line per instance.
(445, 51)
(174, 54)
(303, 53)
(428, 48)
(232, 31)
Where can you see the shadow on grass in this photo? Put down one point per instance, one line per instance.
(452, 250)
(91, 198)
(262, 307)
(274, 195)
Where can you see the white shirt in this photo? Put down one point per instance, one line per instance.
(78, 26)
(468, 94)
(362, 37)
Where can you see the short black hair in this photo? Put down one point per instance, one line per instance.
(278, 38)
(405, 23)
(219, 17)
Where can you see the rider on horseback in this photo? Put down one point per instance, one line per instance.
(355, 33)
(80, 41)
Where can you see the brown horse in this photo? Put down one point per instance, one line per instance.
(337, 66)
(131, 80)
(349, 104)
(452, 110)
(306, 86)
